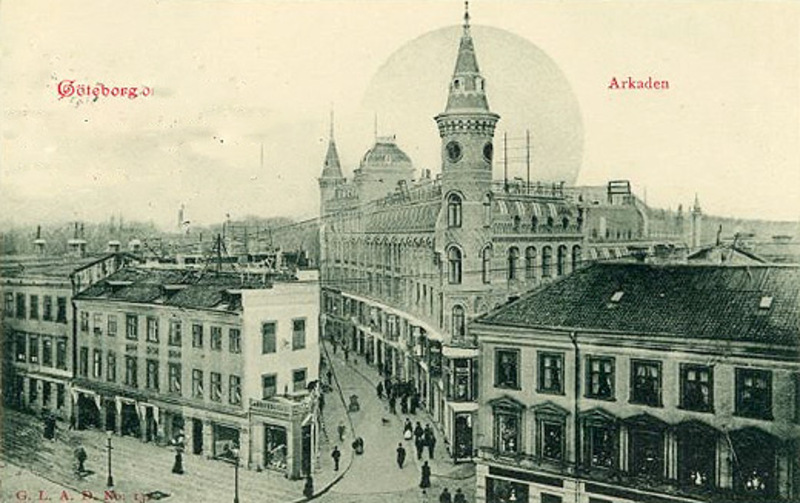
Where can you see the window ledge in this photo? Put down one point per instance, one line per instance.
(604, 399)
(763, 417)
(709, 410)
(635, 402)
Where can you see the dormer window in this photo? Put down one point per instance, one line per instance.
(765, 303)
(456, 84)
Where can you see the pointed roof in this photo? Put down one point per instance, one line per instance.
(332, 167)
(467, 90)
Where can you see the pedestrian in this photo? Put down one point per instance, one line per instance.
(80, 456)
(459, 497)
(430, 440)
(404, 404)
(330, 378)
(425, 480)
(346, 354)
(408, 429)
(387, 387)
(401, 455)
(379, 389)
(341, 429)
(419, 443)
(308, 489)
(336, 455)
(392, 405)
(177, 467)
(445, 496)
(321, 402)
(418, 432)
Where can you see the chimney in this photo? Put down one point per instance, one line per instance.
(76, 246)
(39, 244)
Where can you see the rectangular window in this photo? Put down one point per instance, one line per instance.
(506, 368)
(299, 380)
(46, 394)
(33, 348)
(197, 383)
(34, 307)
(47, 308)
(551, 498)
(83, 362)
(112, 325)
(175, 378)
(646, 456)
(8, 305)
(268, 342)
(216, 338)
(235, 340)
(697, 387)
(47, 351)
(111, 367)
(61, 310)
(21, 306)
(600, 377)
(754, 393)
(61, 353)
(175, 332)
(152, 374)
(22, 347)
(235, 390)
(84, 321)
(97, 364)
(298, 334)
(552, 440)
(551, 373)
(269, 386)
(61, 395)
(131, 326)
(152, 329)
(131, 372)
(197, 336)
(216, 387)
(646, 382)
(507, 431)
(97, 324)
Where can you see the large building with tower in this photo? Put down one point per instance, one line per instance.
(405, 263)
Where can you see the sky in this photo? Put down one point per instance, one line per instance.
(233, 79)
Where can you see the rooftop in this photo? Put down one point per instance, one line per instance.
(35, 266)
(687, 301)
(178, 287)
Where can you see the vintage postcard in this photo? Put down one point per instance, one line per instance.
(361, 251)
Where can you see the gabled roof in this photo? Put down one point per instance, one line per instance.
(739, 303)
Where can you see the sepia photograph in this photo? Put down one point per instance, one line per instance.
(356, 251)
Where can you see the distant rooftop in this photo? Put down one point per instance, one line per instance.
(30, 266)
(687, 301)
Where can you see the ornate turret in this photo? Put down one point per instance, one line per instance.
(331, 176)
(467, 125)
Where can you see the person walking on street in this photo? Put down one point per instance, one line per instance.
(329, 375)
(419, 443)
(408, 430)
(418, 432)
(336, 454)
(401, 455)
(392, 405)
(308, 489)
(379, 389)
(341, 430)
(80, 457)
(459, 497)
(430, 441)
(445, 496)
(425, 480)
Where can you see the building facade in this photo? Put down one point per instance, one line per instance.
(37, 324)
(223, 360)
(637, 382)
(404, 273)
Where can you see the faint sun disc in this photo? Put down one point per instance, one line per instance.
(524, 86)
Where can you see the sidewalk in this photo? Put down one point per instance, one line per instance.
(143, 469)
(376, 474)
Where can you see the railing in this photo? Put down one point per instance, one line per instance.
(520, 187)
(509, 227)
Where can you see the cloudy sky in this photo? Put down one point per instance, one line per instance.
(232, 79)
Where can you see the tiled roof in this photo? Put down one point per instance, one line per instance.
(405, 218)
(47, 266)
(689, 301)
(180, 288)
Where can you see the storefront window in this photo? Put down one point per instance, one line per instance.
(275, 447)
(505, 491)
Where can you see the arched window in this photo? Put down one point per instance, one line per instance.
(454, 265)
(565, 223)
(457, 84)
(516, 222)
(459, 322)
(547, 261)
(513, 262)
(530, 262)
(550, 222)
(486, 265)
(487, 210)
(576, 257)
(534, 223)
(561, 261)
(454, 210)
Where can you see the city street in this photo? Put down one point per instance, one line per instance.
(375, 476)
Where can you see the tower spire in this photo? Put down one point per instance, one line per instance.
(467, 87)
(332, 167)
(466, 15)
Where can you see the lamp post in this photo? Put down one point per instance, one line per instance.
(235, 452)
(110, 480)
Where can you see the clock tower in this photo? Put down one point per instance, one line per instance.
(466, 127)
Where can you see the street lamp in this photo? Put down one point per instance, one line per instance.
(110, 480)
(235, 452)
